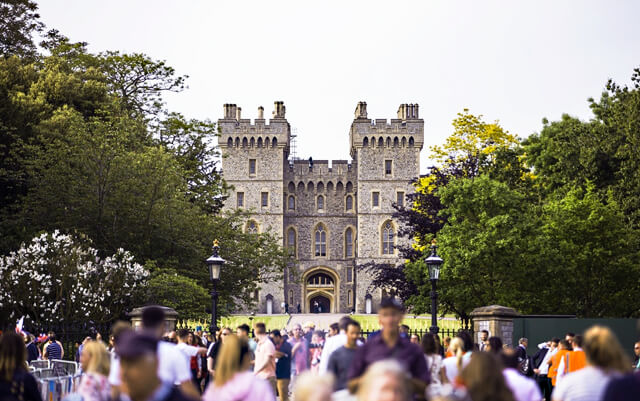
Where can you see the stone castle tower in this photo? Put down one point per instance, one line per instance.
(333, 218)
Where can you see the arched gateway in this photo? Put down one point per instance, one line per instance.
(320, 291)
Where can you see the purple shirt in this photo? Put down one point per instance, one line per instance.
(300, 358)
(409, 355)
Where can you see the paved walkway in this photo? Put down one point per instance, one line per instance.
(322, 320)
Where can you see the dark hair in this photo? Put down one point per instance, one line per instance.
(152, 317)
(466, 339)
(334, 327)
(353, 323)
(555, 340)
(260, 328)
(495, 344)
(484, 379)
(578, 340)
(276, 333)
(484, 331)
(51, 336)
(405, 327)
(429, 344)
(509, 358)
(566, 344)
(13, 355)
(244, 327)
(570, 334)
(343, 323)
(182, 333)
(319, 333)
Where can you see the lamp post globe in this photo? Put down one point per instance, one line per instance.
(214, 263)
(434, 263)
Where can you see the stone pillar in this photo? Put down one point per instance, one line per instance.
(170, 317)
(496, 319)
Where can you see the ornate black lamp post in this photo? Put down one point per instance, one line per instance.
(434, 262)
(215, 263)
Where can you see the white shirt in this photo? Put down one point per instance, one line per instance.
(586, 384)
(332, 344)
(523, 388)
(173, 366)
(544, 365)
(187, 351)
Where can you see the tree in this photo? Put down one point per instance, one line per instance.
(18, 22)
(61, 278)
(168, 288)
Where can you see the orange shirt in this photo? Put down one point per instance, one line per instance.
(575, 360)
(555, 361)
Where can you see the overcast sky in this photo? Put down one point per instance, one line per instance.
(512, 61)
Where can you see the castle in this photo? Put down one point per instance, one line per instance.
(333, 217)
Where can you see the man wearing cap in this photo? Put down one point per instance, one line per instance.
(390, 345)
(139, 364)
(173, 367)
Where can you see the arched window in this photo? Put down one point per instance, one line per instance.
(320, 241)
(395, 142)
(252, 227)
(365, 142)
(388, 142)
(310, 186)
(329, 186)
(266, 142)
(339, 186)
(259, 142)
(410, 141)
(380, 142)
(291, 187)
(245, 142)
(229, 142)
(291, 240)
(237, 142)
(348, 243)
(388, 235)
(320, 202)
(320, 187)
(274, 142)
(301, 187)
(252, 142)
(292, 202)
(404, 141)
(349, 202)
(349, 187)
(320, 280)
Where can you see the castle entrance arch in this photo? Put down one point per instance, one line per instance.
(321, 291)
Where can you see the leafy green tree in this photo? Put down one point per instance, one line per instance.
(168, 288)
(19, 20)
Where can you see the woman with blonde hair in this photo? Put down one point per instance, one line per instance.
(95, 362)
(233, 381)
(384, 380)
(483, 379)
(605, 359)
(453, 365)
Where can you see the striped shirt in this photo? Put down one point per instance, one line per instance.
(54, 351)
(586, 384)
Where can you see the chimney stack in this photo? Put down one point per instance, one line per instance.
(229, 111)
(238, 113)
(279, 109)
(361, 110)
(260, 113)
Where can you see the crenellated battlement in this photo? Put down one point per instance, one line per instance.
(235, 130)
(320, 169)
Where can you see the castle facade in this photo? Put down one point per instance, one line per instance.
(333, 217)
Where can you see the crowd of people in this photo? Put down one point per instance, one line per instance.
(150, 364)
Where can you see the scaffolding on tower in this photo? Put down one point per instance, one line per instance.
(293, 154)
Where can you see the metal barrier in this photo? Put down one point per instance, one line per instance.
(56, 378)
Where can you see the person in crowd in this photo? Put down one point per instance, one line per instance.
(404, 331)
(541, 365)
(636, 356)
(95, 362)
(569, 337)
(340, 359)
(445, 344)
(333, 343)
(564, 346)
(243, 331)
(385, 380)
(283, 364)
(334, 329)
(315, 350)
(484, 340)
(173, 366)
(312, 387)
(190, 354)
(233, 380)
(299, 352)
(15, 381)
(605, 359)
(81, 347)
(484, 380)
(494, 345)
(214, 350)
(452, 366)
(390, 345)
(139, 360)
(52, 348)
(525, 361)
(522, 387)
(415, 339)
(32, 349)
(573, 360)
(265, 364)
(434, 364)
(308, 327)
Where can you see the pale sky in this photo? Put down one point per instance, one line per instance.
(512, 61)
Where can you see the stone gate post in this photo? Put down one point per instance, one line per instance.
(496, 319)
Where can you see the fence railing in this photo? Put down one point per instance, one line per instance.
(55, 378)
(442, 333)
